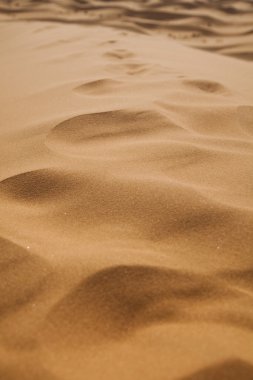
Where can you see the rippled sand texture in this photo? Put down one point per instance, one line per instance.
(222, 26)
(126, 195)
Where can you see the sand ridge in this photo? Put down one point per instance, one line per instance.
(224, 27)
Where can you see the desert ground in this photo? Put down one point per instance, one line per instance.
(126, 190)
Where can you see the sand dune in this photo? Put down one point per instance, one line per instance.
(222, 27)
(126, 190)
(117, 301)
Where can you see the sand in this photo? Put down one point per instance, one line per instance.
(126, 190)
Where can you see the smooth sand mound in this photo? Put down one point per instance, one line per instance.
(207, 86)
(100, 126)
(99, 87)
(114, 302)
(37, 187)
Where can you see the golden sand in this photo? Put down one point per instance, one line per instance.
(126, 191)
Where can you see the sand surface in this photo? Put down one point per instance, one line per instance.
(126, 190)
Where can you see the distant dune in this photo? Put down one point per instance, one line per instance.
(223, 26)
